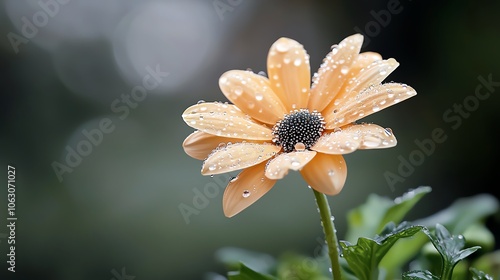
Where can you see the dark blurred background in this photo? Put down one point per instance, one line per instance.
(114, 211)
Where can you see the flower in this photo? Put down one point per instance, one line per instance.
(283, 122)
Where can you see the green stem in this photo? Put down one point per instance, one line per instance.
(330, 233)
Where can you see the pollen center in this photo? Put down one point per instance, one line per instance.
(298, 130)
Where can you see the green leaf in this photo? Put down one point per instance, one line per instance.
(479, 235)
(370, 218)
(463, 213)
(419, 275)
(364, 257)
(479, 275)
(402, 205)
(401, 253)
(450, 248)
(245, 273)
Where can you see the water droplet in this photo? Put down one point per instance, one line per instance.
(344, 69)
(193, 122)
(334, 49)
(238, 91)
(259, 97)
(388, 131)
(233, 179)
(337, 130)
(295, 163)
(262, 73)
(212, 167)
(201, 117)
(246, 193)
(282, 46)
(297, 62)
(200, 101)
(286, 60)
(382, 71)
(371, 142)
(300, 146)
(376, 108)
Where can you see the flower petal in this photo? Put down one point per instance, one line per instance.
(364, 59)
(372, 74)
(225, 120)
(245, 189)
(333, 72)
(367, 102)
(289, 73)
(326, 173)
(337, 143)
(352, 137)
(199, 144)
(252, 93)
(237, 156)
(278, 167)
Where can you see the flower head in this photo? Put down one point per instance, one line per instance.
(286, 122)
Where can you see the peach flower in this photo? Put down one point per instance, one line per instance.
(286, 122)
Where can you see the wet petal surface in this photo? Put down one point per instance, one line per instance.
(352, 137)
(278, 167)
(326, 173)
(252, 93)
(367, 102)
(245, 189)
(225, 120)
(289, 73)
(333, 72)
(237, 156)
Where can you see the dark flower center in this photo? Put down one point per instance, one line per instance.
(298, 130)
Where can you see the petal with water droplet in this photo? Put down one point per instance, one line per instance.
(237, 156)
(289, 73)
(334, 71)
(367, 102)
(372, 74)
(278, 167)
(373, 136)
(252, 93)
(326, 173)
(250, 181)
(199, 144)
(357, 136)
(225, 120)
(337, 142)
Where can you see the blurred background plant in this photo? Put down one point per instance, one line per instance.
(92, 97)
(381, 245)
